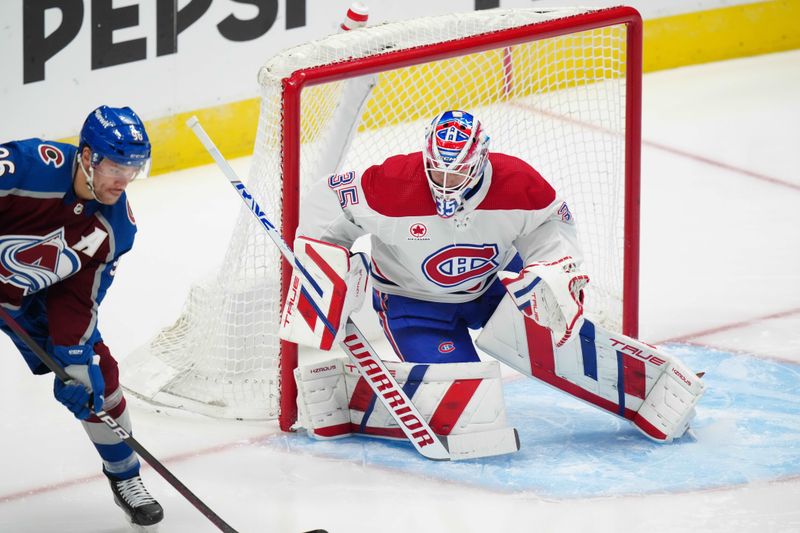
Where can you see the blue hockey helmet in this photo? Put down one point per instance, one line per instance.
(455, 155)
(116, 133)
(119, 146)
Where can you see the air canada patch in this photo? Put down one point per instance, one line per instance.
(417, 231)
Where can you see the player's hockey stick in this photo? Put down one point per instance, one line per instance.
(366, 360)
(124, 435)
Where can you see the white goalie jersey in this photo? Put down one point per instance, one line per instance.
(418, 254)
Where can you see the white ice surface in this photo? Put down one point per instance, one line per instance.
(720, 267)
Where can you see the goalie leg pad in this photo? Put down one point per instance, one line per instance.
(322, 399)
(456, 399)
(611, 371)
(669, 406)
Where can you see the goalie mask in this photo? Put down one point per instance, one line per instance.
(455, 155)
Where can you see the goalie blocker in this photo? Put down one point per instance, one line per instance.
(614, 372)
(321, 298)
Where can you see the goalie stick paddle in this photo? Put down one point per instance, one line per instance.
(124, 435)
(363, 356)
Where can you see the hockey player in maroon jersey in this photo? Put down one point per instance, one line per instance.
(65, 222)
(463, 239)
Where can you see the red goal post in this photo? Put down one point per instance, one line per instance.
(560, 88)
(301, 79)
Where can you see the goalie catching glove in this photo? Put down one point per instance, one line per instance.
(328, 285)
(550, 294)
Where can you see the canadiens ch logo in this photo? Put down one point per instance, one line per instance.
(417, 231)
(33, 263)
(459, 263)
(447, 347)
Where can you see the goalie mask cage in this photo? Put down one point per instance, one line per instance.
(560, 88)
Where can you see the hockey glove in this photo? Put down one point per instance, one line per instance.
(83, 365)
(550, 294)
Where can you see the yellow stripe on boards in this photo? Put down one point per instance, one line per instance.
(719, 34)
(232, 126)
(669, 42)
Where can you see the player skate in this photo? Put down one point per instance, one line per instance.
(133, 497)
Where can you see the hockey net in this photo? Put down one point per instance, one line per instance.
(559, 88)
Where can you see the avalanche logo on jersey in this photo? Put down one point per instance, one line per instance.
(51, 154)
(34, 263)
(459, 263)
(452, 133)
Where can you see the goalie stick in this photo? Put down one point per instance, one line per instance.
(124, 435)
(366, 360)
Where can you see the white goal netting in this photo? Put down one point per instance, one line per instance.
(551, 87)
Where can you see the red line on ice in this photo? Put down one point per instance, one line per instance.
(665, 148)
(728, 327)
